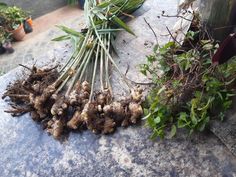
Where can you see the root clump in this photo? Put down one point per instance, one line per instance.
(58, 113)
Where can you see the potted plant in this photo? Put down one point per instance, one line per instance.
(5, 44)
(14, 17)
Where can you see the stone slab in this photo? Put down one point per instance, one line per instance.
(27, 150)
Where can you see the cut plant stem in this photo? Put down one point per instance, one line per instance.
(77, 74)
(88, 60)
(63, 84)
(101, 68)
(109, 56)
(76, 61)
(73, 57)
(108, 85)
(94, 72)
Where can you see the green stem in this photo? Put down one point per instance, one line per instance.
(94, 73)
(74, 55)
(84, 47)
(77, 74)
(108, 54)
(89, 58)
(101, 69)
(108, 84)
(75, 63)
(62, 85)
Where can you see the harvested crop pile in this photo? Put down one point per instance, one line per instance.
(65, 99)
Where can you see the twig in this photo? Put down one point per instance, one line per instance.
(151, 29)
(172, 36)
(50, 69)
(127, 70)
(26, 67)
(18, 96)
(223, 27)
(143, 83)
(177, 16)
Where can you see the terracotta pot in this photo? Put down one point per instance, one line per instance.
(19, 33)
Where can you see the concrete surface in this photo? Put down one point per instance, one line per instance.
(37, 7)
(27, 150)
(39, 41)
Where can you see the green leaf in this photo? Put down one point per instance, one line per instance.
(147, 116)
(145, 111)
(151, 122)
(62, 38)
(104, 31)
(122, 24)
(161, 90)
(231, 94)
(182, 121)
(191, 132)
(230, 82)
(208, 46)
(157, 133)
(3, 5)
(74, 40)
(157, 120)
(227, 104)
(173, 131)
(193, 119)
(70, 31)
(72, 2)
(203, 123)
(151, 58)
(221, 116)
(207, 105)
(220, 95)
(101, 16)
(203, 42)
(104, 4)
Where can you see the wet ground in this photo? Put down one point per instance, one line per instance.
(27, 150)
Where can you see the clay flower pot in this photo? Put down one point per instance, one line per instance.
(19, 33)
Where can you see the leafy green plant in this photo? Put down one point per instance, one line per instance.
(13, 16)
(189, 91)
(104, 18)
(3, 5)
(4, 36)
(72, 2)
